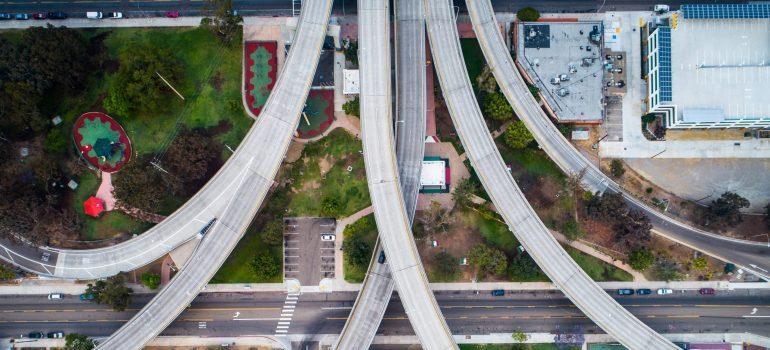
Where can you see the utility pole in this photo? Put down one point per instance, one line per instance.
(169, 85)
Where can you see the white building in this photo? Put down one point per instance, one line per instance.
(710, 68)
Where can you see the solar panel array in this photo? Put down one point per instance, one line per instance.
(664, 63)
(705, 11)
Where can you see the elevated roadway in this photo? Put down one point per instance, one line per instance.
(371, 303)
(751, 256)
(522, 220)
(382, 177)
(262, 156)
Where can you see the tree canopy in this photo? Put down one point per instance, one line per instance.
(528, 14)
(497, 107)
(222, 20)
(265, 266)
(641, 259)
(726, 210)
(352, 107)
(112, 291)
(75, 341)
(517, 136)
(272, 232)
(150, 280)
(487, 260)
(445, 266)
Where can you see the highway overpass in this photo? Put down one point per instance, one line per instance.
(508, 198)
(752, 256)
(371, 303)
(270, 138)
(393, 223)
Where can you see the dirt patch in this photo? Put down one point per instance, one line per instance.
(294, 152)
(325, 164)
(217, 81)
(459, 238)
(684, 256)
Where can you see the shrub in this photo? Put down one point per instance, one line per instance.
(265, 266)
(700, 263)
(528, 14)
(272, 233)
(487, 260)
(641, 259)
(151, 280)
(517, 136)
(497, 107)
(352, 107)
(616, 168)
(445, 266)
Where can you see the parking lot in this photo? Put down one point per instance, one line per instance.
(307, 257)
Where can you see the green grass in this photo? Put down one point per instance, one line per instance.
(495, 233)
(598, 270)
(356, 273)
(474, 59)
(349, 187)
(532, 160)
(111, 223)
(236, 268)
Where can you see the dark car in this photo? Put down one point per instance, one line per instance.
(57, 15)
(172, 14)
(39, 15)
(87, 296)
(5, 16)
(707, 291)
(643, 291)
(381, 258)
(36, 335)
(21, 16)
(625, 291)
(498, 292)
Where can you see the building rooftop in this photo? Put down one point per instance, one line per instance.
(720, 68)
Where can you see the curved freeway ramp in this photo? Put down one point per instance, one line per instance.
(271, 137)
(372, 300)
(751, 256)
(510, 202)
(382, 177)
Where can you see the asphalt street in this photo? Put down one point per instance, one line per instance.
(284, 7)
(234, 314)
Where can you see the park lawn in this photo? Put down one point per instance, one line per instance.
(474, 59)
(598, 270)
(237, 269)
(355, 273)
(111, 223)
(337, 151)
(206, 66)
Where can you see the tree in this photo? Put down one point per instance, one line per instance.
(265, 266)
(55, 142)
(700, 263)
(522, 268)
(150, 280)
(609, 206)
(222, 20)
(517, 135)
(632, 232)
(357, 249)
(272, 233)
(141, 185)
(189, 158)
(726, 210)
(137, 81)
(112, 291)
(486, 81)
(445, 266)
(350, 48)
(497, 107)
(528, 14)
(75, 341)
(616, 168)
(641, 259)
(648, 118)
(572, 230)
(519, 336)
(487, 260)
(436, 218)
(464, 191)
(352, 107)
(6, 273)
(330, 206)
(667, 270)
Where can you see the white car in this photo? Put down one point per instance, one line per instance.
(661, 8)
(115, 15)
(664, 291)
(329, 238)
(93, 15)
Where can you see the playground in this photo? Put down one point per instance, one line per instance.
(260, 72)
(101, 141)
(317, 115)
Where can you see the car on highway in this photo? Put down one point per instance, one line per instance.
(328, 238)
(707, 291)
(36, 335)
(5, 16)
(643, 291)
(381, 258)
(115, 15)
(94, 15)
(172, 14)
(55, 335)
(625, 291)
(664, 291)
(39, 15)
(498, 292)
(57, 15)
(21, 16)
(87, 296)
(45, 256)
(55, 296)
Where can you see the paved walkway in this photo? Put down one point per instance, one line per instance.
(105, 191)
(585, 248)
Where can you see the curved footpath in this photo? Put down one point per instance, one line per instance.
(271, 137)
(372, 301)
(751, 256)
(382, 177)
(509, 200)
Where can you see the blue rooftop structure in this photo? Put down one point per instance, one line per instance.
(664, 42)
(726, 11)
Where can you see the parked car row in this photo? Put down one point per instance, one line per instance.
(661, 291)
(41, 335)
(62, 15)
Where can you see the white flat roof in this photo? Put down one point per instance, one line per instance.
(433, 173)
(350, 82)
(721, 64)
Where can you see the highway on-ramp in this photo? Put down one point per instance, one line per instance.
(382, 177)
(372, 301)
(752, 256)
(268, 141)
(508, 198)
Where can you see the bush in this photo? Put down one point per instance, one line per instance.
(55, 142)
(75, 341)
(523, 268)
(330, 206)
(667, 270)
(352, 107)
(136, 85)
(648, 118)
(151, 280)
(272, 233)
(517, 136)
(648, 190)
(445, 267)
(641, 259)
(497, 107)
(350, 48)
(700, 263)
(265, 266)
(487, 260)
(6, 273)
(357, 249)
(528, 14)
(616, 168)
(572, 230)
